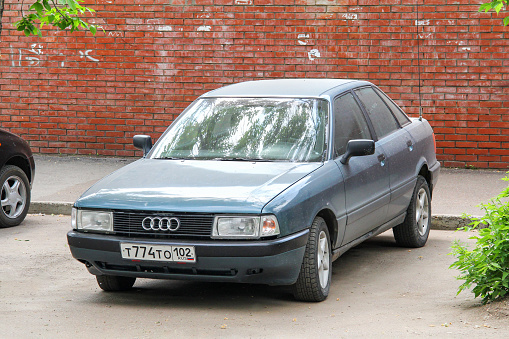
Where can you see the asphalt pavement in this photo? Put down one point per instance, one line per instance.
(60, 180)
(378, 290)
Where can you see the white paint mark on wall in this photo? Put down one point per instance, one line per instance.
(34, 61)
(204, 16)
(61, 63)
(85, 55)
(313, 54)
(36, 49)
(204, 29)
(302, 39)
(425, 36)
(34, 58)
(165, 28)
(243, 2)
(456, 42)
(422, 22)
(349, 16)
(466, 48)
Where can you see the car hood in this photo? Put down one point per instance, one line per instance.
(194, 186)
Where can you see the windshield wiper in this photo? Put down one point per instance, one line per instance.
(175, 158)
(244, 159)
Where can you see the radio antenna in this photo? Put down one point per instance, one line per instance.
(419, 60)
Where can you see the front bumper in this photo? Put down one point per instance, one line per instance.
(272, 262)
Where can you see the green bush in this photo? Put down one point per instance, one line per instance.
(487, 265)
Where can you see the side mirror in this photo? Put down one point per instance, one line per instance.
(358, 148)
(143, 142)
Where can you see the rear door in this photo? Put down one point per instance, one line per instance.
(397, 144)
(366, 178)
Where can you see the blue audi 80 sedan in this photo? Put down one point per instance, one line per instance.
(261, 182)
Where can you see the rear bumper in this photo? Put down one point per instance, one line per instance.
(272, 262)
(435, 172)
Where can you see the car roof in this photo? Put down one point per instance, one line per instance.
(285, 88)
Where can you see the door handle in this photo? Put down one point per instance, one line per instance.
(381, 157)
(410, 145)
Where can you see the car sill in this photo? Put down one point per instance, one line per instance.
(388, 225)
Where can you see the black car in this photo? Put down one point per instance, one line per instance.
(17, 169)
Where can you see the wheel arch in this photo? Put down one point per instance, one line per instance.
(332, 224)
(22, 163)
(424, 172)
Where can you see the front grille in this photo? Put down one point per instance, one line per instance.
(191, 225)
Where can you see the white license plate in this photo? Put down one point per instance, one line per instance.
(158, 252)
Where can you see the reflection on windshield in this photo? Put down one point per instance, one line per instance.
(248, 129)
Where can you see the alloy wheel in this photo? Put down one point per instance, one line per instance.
(13, 197)
(323, 259)
(422, 211)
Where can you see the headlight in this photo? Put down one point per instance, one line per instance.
(245, 227)
(97, 221)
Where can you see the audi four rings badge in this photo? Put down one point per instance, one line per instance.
(160, 224)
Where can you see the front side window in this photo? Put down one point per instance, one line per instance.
(349, 123)
(285, 129)
(383, 121)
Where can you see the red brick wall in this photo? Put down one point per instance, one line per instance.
(80, 94)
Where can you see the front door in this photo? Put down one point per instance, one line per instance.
(366, 178)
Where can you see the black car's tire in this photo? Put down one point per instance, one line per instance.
(112, 283)
(14, 196)
(313, 283)
(414, 231)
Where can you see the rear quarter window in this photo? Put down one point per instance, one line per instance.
(398, 113)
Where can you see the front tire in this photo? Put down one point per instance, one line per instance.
(14, 196)
(313, 283)
(112, 283)
(414, 231)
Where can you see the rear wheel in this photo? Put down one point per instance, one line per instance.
(414, 231)
(313, 283)
(112, 283)
(14, 196)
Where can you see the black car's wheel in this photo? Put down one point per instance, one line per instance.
(14, 196)
(414, 231)
(111, 283)
(313, 283)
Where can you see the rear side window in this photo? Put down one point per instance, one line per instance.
(378, 112)
(349, 123)
(398, 113)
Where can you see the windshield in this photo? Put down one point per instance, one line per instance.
(248, 129)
